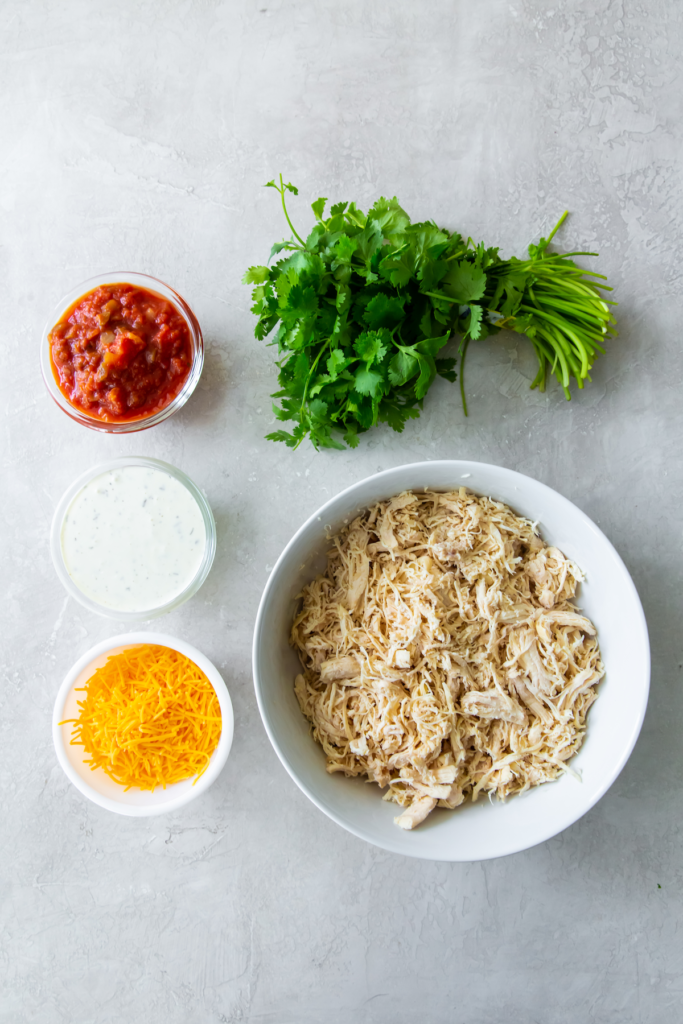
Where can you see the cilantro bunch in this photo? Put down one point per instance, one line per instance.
(364, 305)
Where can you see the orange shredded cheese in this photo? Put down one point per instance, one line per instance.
(150, 718)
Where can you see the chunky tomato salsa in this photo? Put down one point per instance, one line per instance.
(121, 353)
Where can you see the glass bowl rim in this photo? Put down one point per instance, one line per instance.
(153, 284)
(65, 503)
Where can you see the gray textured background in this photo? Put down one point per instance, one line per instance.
(137, 136)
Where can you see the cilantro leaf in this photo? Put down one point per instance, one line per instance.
(445, 368)
(281, 435)
(512, 287)
(430, 346)
(278, 247)
(319, 385)
(425, 237)
(426, 324)
(325, 440)
(398, 266)
(431, 272)
(465, 282)
(368, 382)
(317, 409)
(384, 310)
(403, 366)
(316, 234)
(427, 374)
(475, 326)
(256, 275)
(355, 216)
(372, 346)
(318, 206)
(264, 327)
(364, 410)
(351, 437)
(301, 302)
(396, 415)
(343, 300)
(388, 214)
(345, 248)
(369, 240)
(338, 362)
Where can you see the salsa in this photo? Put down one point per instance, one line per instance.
(120, 353)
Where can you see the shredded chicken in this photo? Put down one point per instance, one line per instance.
(442, 655)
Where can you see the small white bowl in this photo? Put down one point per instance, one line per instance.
(482, 830)
(96, 784)
(58, 554)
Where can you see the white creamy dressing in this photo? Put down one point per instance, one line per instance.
(133, 538)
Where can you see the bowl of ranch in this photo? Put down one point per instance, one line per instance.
(133, 538)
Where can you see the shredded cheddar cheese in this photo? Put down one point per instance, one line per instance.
(150, 718)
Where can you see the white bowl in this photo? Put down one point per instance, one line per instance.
(482, 830)
(96, 785)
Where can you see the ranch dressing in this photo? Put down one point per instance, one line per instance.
(133, 539)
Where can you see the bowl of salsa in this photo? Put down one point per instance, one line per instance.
(122, 352)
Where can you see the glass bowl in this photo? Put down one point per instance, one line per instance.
(151, 284)
(147, 613)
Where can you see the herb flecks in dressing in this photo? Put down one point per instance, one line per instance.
(133, 539)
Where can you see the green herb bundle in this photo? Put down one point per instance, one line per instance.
(366, 303)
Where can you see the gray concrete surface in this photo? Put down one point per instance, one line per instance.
(138, 135)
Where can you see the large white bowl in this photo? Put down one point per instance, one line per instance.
(483, 830)
(95, 784)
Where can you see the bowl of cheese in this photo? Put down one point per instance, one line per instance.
(142, 724)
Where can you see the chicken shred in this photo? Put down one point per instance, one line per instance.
(442, 655)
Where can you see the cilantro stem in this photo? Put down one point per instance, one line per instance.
(281, 190)
(454, 256)
(588, 316)
(557, 226)
(462, 374)
(445, 298)
(308, 381)
(539, 379)
(559, 263)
